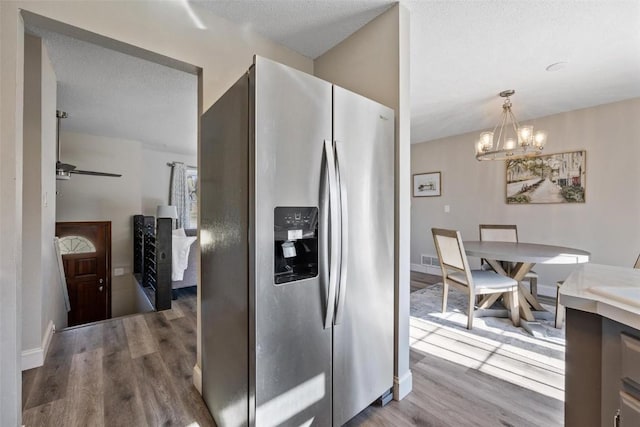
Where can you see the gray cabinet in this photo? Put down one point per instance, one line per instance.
(629, 410)
(594, 397)
(630, 381)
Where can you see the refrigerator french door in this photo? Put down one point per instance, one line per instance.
(297, 251)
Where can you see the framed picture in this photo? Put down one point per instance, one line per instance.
(426, 184)
(554, 178)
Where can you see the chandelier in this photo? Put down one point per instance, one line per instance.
(521, 142)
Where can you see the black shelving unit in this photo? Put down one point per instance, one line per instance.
(152, 258)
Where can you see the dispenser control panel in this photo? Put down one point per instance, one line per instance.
(295, 243)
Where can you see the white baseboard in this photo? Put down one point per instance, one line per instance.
(34, 357)
(428, 269)
(197, 378)
(402, 386)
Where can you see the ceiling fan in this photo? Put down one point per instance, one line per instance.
(64, 170)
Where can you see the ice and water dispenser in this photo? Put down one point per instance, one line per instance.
(296, 243)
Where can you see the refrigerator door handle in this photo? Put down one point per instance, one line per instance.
(334, 237)
(344, 232)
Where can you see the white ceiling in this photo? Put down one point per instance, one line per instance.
(462, 54)
(112, 94)
(310, 27)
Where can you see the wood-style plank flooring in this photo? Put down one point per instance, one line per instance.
(131, 371)
(137, 371)
(456, 382)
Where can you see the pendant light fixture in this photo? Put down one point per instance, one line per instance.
(512, 141)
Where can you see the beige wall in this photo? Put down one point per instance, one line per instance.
(54, 309)
(606, 225)
(42, 296)
(11, 103)
(374, 62)
(32, 192)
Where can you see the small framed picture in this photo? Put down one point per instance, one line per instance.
(426, 184)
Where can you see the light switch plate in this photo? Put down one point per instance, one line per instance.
(447, 209)
(118, 271)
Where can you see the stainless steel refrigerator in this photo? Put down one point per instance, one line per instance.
(297, 237)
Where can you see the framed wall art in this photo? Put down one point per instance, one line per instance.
(554, 178)
(427, 184)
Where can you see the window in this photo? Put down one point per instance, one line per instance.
(192, 198)
(75, 245)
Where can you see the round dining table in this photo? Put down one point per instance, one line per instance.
(524, 256)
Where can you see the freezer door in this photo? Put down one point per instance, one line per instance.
(224, 221)
(363, 333)
(292, 349)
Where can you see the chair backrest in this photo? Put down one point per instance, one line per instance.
(637, 264)
(451, 251)
(499, 232)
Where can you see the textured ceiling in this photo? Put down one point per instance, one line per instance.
(310, 27)
(108, 93)
(462, 54)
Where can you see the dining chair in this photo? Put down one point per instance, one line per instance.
(560, 310)
(506, 233)
(456, 273)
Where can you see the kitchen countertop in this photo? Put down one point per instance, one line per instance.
(609, 291)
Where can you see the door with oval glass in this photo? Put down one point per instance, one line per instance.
(86, 255)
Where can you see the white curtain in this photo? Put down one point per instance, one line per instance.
(178, 193)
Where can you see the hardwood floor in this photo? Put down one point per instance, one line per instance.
(131, 371)
(460, 380)
(137, 371)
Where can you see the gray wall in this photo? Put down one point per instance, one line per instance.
(606, 225)
(42, 297)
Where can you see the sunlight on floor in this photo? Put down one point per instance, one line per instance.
(523, 367)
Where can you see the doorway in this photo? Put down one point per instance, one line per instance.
(86, 256)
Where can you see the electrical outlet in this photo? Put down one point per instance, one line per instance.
(118, 271)
(447, 209)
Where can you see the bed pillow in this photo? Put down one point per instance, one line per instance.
(179, 232)
(180, 247)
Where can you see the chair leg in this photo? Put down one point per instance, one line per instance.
(560, 310)
(533, 286)
(445, 294)
(514, 307)
(470, 312)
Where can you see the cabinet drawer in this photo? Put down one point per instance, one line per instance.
(629, 410)
(630, 358)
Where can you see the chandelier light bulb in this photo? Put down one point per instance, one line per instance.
(509, 144)
(486, 139)
(525, 135)
(540, 139)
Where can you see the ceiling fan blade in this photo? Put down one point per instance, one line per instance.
(66, 167)
(94, 173)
